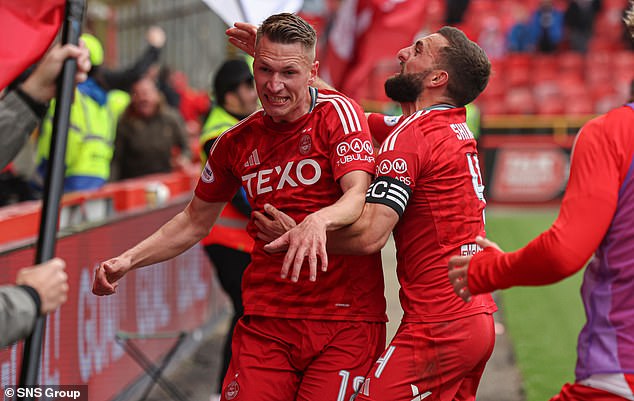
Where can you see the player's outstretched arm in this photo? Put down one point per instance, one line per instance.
(308, 239)
(173, 238)
(368, 234)
(459, 269)
(365, 236)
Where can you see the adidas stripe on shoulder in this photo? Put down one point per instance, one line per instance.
(345, 110)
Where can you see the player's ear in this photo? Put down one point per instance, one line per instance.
(438, 78)
(313, 72)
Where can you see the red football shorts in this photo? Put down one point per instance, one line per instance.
(432, 361)
(579, 392)
(277, 359)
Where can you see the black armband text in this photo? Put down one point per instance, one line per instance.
(389, 192)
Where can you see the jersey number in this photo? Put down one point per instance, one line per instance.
(476, 177)
(345, 378)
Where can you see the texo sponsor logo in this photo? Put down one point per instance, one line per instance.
(306, 172)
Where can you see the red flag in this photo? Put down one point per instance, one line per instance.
(27, 28)
(365, 38)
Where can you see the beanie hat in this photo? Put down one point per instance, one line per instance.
(229, 76)
(94, 47)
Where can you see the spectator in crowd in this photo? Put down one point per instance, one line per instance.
(492, 38)
(194, 104)
(166, 88)
(594, 222)
(151, 136)
(93, 118)
(228, 245)
(579, 22)
(38, 290)
(547, 26)
(22, 109)
(91, 132)
(24, 106)
(122, 79)
(520, 38)
(298, 339)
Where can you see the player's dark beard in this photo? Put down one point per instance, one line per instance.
(405, 88)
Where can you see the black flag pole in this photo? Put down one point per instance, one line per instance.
(54, 184)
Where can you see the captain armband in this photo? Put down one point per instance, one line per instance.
(389, 192)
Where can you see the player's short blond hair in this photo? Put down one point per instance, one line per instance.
(288, 28)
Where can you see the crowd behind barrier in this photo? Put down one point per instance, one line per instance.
(80, 346)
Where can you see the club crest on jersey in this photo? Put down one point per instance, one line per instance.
(232, 390)
(305, 143)
(207, 175)
(399, 166)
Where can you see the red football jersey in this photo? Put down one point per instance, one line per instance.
(381, 125)
(295, 167)
(432, 156)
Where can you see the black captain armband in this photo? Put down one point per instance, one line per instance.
(389, 192)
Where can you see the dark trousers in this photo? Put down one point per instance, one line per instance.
(230, 264)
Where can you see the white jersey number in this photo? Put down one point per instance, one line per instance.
(476, 178)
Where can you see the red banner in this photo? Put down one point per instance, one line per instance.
(79, 346)
(364, 41)
(529, 173)
(27, 28)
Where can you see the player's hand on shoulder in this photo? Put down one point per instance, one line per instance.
(272, 224)
(107, 275)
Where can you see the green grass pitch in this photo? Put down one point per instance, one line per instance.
(542, 322)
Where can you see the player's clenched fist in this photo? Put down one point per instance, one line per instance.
(107, 275)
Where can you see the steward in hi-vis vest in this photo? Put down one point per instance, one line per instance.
(228, 245)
